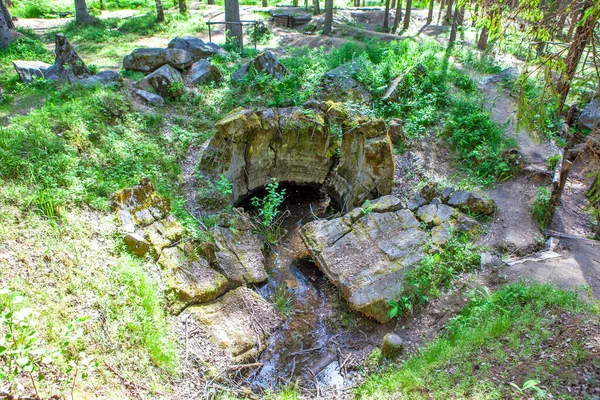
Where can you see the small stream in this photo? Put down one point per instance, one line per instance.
(320, 333)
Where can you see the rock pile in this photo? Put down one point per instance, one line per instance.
(67, 67)
(202, 278)
(367, 252)
(183, 61)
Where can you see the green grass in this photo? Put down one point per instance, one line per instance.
(493, 329)
(434, 273)
(82, 145)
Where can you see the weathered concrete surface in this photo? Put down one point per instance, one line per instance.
(367, 256)
(295, 146)
(240, 322)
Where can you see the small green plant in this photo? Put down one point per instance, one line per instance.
(175, 88)
(552, 161)
(268, 211)
(531, 385)
(22, 352)
(284, 300)
(542, 207)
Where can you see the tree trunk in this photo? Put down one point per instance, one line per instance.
(430, 14)
(210, 2)
(448, 15)
(441, 10)
(265, 3)
(7, 17)
(232, 14)
(483, 38)
(574, 18)
(454, 25)
(386, 14)
(316, 7)
(5, 33)
(407, 14)
(393, 5)
(328, 17)
(82, 16)
(102, 5)
(583, 33)
(397, 16)
(160, 13)
(182, 6)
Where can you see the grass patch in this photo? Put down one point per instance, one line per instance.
(500, 329)
(434, 273)
(542, 207)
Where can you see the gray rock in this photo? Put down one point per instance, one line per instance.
(166, 81)
(197, 48)
(190, 281)
(467, 224)
(489, 260)
(429, 192)
(102, 78)
(150, 98)
(203, 71)
(416, 202)
(446, 193)
(392, 346)
(435, 214)
(386, 204)
(590, 115)
(367, 259)
(27, 70)
(136, 244)
(468, 201)
(67, 64)
(148, 60)
(265, 62)
(239, 322)
(239, 254)
(391, 93)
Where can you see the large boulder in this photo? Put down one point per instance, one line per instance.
(148, 60)
(188, 281)
(203, 71)
(67, 64)
(296, 146)
(366, 255)
(240, 322)
(197, 48)
(28, 70)
(590, 116)
(265, 62)
(238, 253)
(470, 202)
(166, 81)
